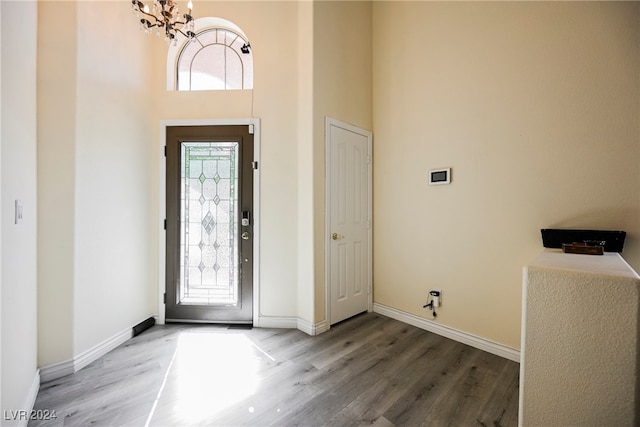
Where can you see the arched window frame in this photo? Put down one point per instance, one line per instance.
(201, 25)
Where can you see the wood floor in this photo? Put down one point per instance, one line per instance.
(369, 370)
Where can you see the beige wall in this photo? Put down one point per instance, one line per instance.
(302, 73)
(114, 171)
(95, 248)
(305, 176)
(535, 107)
(272, 29)
(56, 180)
(342, 89)
(18, 366)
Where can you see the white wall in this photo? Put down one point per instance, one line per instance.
(535, 107)
(18, 146)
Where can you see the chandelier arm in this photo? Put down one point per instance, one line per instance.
(188, 34)
(160, 22)
(157, 23)
(149, 24)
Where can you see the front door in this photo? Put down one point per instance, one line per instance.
(349, 220)
(209, 268)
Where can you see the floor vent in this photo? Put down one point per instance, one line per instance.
(143, 326)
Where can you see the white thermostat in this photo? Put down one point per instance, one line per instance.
(440, 176)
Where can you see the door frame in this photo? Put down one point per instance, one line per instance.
(329, 121)
(162, 205)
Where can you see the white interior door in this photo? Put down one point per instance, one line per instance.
(348, 220)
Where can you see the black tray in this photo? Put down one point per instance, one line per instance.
(554, 238)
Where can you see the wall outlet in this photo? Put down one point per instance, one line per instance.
(436, 296)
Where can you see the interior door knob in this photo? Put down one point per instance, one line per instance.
(336, 236)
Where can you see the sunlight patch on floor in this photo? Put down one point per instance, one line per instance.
(209, 373)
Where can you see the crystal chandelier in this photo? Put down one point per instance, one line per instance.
(164, 16)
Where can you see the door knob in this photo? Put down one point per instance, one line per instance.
(336, 236)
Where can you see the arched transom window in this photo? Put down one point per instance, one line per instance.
(218, 58)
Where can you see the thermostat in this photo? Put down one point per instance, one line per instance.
(440, 176)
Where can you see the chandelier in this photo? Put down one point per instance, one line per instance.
(164, 16)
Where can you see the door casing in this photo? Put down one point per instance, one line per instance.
(255, 122)
(329, 122)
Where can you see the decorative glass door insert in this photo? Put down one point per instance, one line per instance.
(209, 224)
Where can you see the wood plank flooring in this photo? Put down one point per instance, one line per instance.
(368, 370)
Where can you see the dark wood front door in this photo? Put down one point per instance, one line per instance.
(209, 266)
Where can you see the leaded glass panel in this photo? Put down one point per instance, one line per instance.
(208, 220)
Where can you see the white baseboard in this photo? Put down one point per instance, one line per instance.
(61, 369)
(291, 323)
(96, 352)
(30, 399)
(312, 328)
(56, 370)
(275, 322)
(448, 332)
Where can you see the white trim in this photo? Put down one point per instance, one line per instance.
(30, 399)
(67, 367)
(327, 218)
(454, 334)
(56, 370)
(312, 328)
(96, 352)
(163, 206)
(162, 213)
(292, 323)
(275, 322)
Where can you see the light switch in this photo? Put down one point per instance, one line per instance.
(18, 214)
